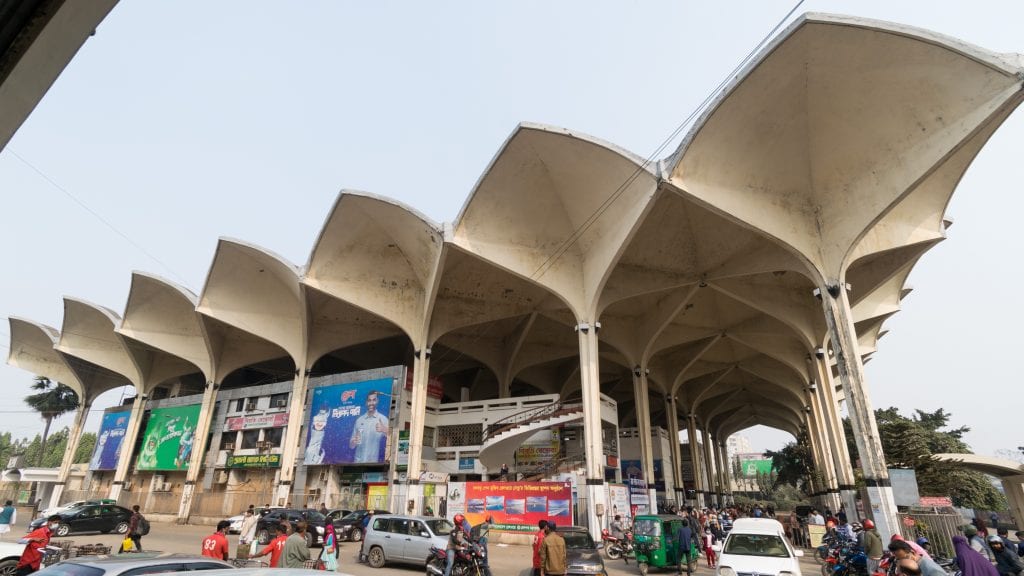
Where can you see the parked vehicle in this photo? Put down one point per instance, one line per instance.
(103, 518)
(581, 552)
(653, 536)
(350, 526)
(469, 562)
(72, 505)
(615, 548)
(132, 564)
(757, 545)
(404, 539)
(10, 552)
(314, 520)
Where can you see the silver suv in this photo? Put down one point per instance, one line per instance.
(404, 539)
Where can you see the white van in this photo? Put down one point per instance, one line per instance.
(757, 545)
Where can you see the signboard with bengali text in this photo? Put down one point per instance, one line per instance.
(518, 506)
(277, 420)
(254, 461)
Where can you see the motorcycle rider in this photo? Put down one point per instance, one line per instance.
(616, 528)
(458, 541)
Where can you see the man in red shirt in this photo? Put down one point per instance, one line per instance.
(275, 547)
(216, 545)
(538, 539)
(36, 540)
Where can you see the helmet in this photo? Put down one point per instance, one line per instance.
(868, 524)
(459, 519)
(922, 541)
(970, 530)
(856, 527)
(993, 539)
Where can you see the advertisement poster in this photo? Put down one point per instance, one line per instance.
(278, 420)
(538, 451)
(167, 444)
(518, 506)
(377, 496)
(108, 442)
(618, 500)
(456, 500)
(349, 423)
(752, 468)
(639, 497)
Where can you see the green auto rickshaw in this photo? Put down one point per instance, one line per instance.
(654, 537)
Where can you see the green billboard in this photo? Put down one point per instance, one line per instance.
(167, 444)
(751, 468)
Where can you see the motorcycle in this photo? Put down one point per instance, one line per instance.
(615, 548)
(468, 562)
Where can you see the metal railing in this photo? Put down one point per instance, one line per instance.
(565, 464)
(531, 415)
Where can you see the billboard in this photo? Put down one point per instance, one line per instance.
(108, 442)
(752, 468)
(167, 444)
(348, 423)
(518, 506)
(538, 451)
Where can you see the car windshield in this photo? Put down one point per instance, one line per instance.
(70, 569)
(647, 528)
(578, 540)
(440, 527)
(353, 516)
(756, 545)
(314, 516)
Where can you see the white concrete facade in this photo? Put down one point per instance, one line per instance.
(726, 285)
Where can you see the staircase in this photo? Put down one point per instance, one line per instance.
(571, 464)
(502, 438)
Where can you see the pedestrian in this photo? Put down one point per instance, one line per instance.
(458, 540)
(366, 524)
(1004, 535)
(1020, 542)
(329, 551)
(8, 516)
(503, 475)
(970, 562)
(216, 545)
(36, 540)
(994, 519)
(428, 511)
(684, 543)
(910, 562)
(538, 539)
(1008, 563)
(872, 544)
(323, 508)
(135, 527)
(295, 552)
(977, 542)
(276, 546)
(247, 533)
(552, 552)
(709, 551)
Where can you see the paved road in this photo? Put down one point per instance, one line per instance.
(505, 560)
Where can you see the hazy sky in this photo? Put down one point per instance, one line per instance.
(180, 122)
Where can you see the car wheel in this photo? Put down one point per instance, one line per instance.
(121, 528)
(63, 529)
(8, 568)
(263, 537)
(356, 535)
(376, 557)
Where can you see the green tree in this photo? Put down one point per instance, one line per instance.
(793, 464)
(51, 401)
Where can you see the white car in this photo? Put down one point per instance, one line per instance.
(757, 545)
(10, 553)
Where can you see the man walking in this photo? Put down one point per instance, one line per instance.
(276, 546)
(135, 523)
(36, 540)
(552, 552)
(8, 515)
(247, 531)
(295, 551)
(684, 543)
(538, 540)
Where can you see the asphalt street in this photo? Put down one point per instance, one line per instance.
(506, 560)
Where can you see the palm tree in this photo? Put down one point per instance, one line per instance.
(52, 400)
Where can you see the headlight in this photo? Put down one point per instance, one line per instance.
(726, 571)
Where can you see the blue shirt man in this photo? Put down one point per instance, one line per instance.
(684, 542)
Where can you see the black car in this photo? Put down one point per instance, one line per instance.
(103, 518)
(581, 555)
(314, 520)
(350, 526)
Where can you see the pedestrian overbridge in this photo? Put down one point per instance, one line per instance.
(1009, 472)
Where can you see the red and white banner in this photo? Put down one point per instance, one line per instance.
(259, 421)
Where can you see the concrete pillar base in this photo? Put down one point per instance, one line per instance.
(58, 490)
(185, 507)
(883, 510)
(849, 501)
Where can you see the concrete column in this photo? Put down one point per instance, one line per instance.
(837, 434)
(131, 434)
(195, 463)
(74, 437)
(839, 319)
(420, 379)
(642, 400)
(691, 437)
(592, 441)
(677, 454)
(505, 388)
(709, 468)
(290, 451)
(719, 473)
(723, 459)
(1013, 487)
(830, 491)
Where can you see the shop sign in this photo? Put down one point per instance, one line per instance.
(373, 476)
(467, 463)
(435, 387)
(254, 461)
(935, 501)
(258, 421)
(433, 477)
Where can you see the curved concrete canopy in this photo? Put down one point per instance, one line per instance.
(813, 148)
(32, 349)
(998, 467)
(88, 333)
